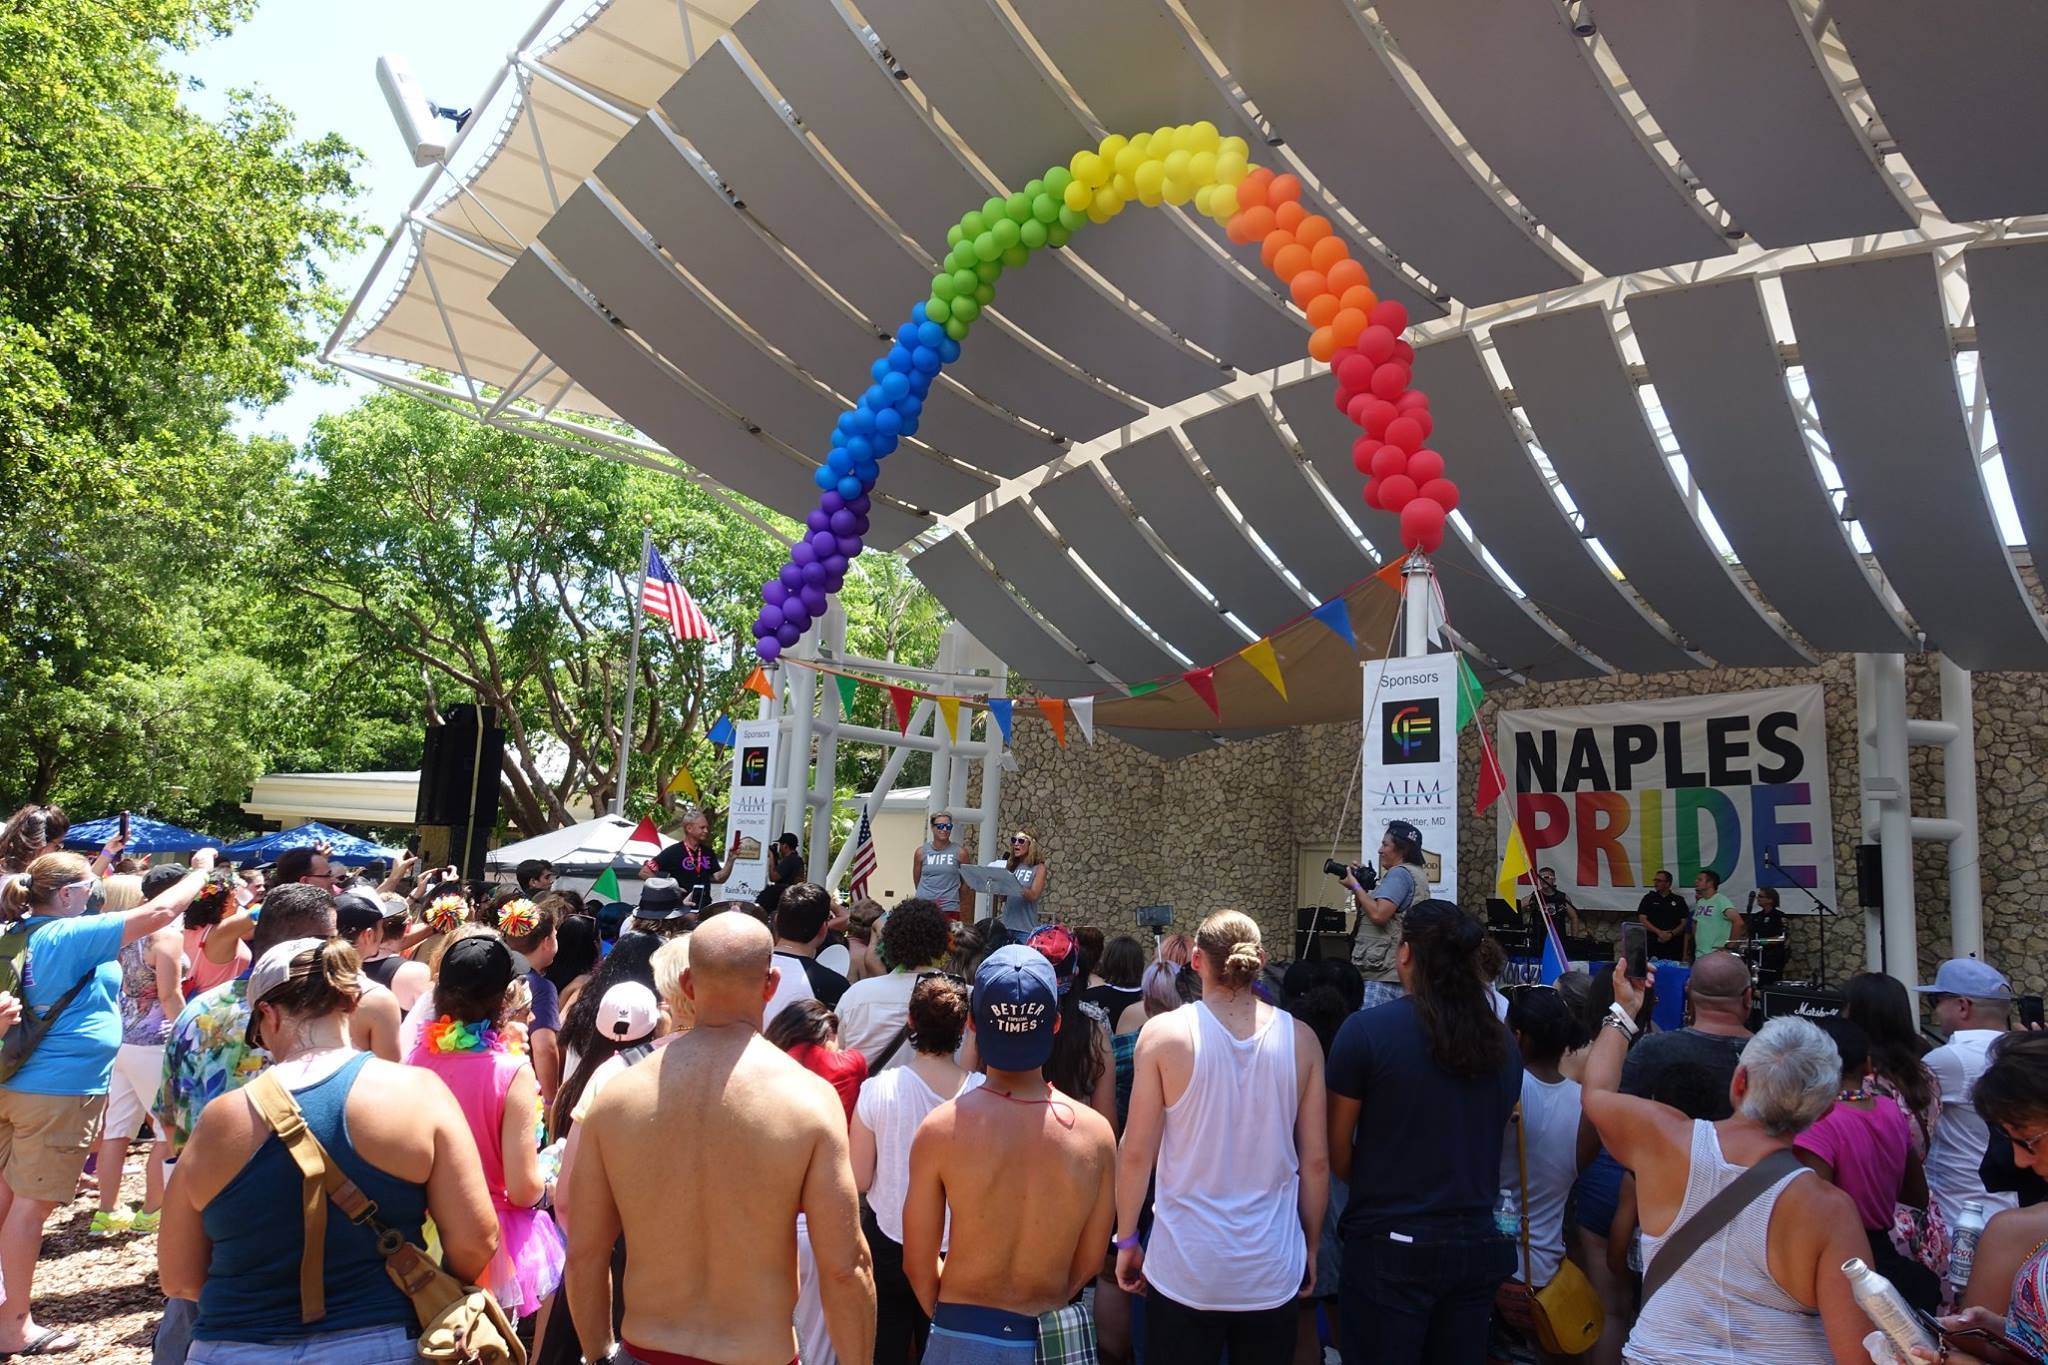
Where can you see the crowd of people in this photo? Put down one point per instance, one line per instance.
(744, 1131)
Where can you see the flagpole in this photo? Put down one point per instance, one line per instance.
(632, 674)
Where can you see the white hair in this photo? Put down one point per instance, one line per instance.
(1794, 1071)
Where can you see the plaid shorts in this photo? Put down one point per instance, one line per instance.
(1066, 1336)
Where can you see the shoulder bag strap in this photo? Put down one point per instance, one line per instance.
(275, 1105)
(1522, 1167)
(1715, 1214)
(890, 1051)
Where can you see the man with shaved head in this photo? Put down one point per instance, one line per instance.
(1690, 1068)
(703, 1156)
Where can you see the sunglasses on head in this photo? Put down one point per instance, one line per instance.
(953, 977)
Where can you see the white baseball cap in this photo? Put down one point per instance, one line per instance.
(628, 1013)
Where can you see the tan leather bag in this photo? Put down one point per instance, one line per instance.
(1565, 1313)
(460, 1324)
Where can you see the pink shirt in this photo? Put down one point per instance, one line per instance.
(1867, 1148)
(480, 1081)
(206, 974)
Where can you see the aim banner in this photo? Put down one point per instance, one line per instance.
(1735, 783)
(1411, 760)
(752, 802)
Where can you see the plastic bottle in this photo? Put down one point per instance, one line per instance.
(1963, 1244)
(1507, 1215)
(1887, 1309)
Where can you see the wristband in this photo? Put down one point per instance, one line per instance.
(1125, 1243)
(1618, 1016)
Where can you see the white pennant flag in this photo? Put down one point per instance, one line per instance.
(1083, 709)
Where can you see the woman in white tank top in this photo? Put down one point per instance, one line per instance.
(1227, 1116)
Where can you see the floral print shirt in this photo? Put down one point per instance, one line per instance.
(206, 1056)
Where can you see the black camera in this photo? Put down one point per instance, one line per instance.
(1367, 878)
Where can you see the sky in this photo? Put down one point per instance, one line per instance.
(319, 61)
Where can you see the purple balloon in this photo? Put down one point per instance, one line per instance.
(801, 553)
(860, 505)
(814, 599)
(789, 634)
(768, 650)
(791, 577)
(833, 565)
(860, 525)
(795, 615)
(819, 519)
(773, 591)
(813, 572)
(834, 582)
(823, 543)
(830, 501)
(768, 620)
(847, 545)
(841, 522)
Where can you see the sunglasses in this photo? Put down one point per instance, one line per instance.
(937, 826)
(1021, 839)
(953, 977)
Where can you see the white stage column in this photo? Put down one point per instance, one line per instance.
(803, 700)
(1892, 786)
(988, 845)
(1418, 585)
(1868, 807)
(1959, 787)
(825, 768)
(941, 785)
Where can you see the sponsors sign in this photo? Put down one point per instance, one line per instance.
(753, 799)
(1411, 759)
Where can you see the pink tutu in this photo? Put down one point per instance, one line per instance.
(528, 1266)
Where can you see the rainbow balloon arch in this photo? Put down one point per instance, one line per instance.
(1356, 333)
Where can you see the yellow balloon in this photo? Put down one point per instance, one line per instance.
(1129, 157)
(1151, 180)
(1097, 214)
(1223, 203)
(1124, 185)
(1178, 191)
(1078, 194)
(1088, 169)
(1109, 202)
(1184, 139)
(1205, 199)
(1162, 140)
(1234, 146)
(1230, 170)
(1113, 144)
(1177, 164)
(1205, 136)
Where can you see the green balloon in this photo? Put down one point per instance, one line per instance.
(985, 295)
(971, 226)
(1057, 235)
(962, 257)
(1071, 219)
(965, 280)
(992, 210)
(1018, 254)
(1034, 232)
(1018, 206)
(956, 329)
(942, 286)
(1033, 188)
(988, 246)
(937, 309)
(988, 272)
(1046, 209)
(1056, 181)
(1005, 233)
(965, 310)
(954, 236)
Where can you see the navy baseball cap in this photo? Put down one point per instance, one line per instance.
(1016, 1008)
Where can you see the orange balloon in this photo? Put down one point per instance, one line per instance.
(1326, 253)
(1251, 191)
(1359, 297)
(1275, 239)
(1236, 230)
(1289, 215)
(1343, 276)
(1307, 284)
(1283, 189)
(1313, 228)
(1291, 261)
(1348, 325)
(1322, 344)
(1258, 221)
(1322, 309)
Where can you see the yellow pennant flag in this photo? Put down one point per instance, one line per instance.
(1259, 654)
(949, 708)
(1514, 865)
(684, 783)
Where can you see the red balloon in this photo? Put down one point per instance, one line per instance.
(1375, 414)
(1442, 492)
(1355, 373)
(1404, 353)
(1422, 524)
(1362, 452)
(1409, 401)
(1356, 409)
(1424, 465)
(1388, 461)
(1406, 433)
(1390, 380)
(1376, 344)
(1390, 315)
(1421, 418)
(1342, 397)
(1371, 494)
(1340, 355)
(1396, 492)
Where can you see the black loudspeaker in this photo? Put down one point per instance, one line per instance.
(459, 774)
(1807, 1004)
(1869, 877)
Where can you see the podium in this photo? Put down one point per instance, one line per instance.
(990, 881)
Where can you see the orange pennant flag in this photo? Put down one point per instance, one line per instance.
(1056, 715)
(900, 699)
(1259, 654)
(1392, 572)
(757, 681)
(1203, 680)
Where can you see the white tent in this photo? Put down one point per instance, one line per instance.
(582, 852)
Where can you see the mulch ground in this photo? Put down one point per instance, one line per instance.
(103, 1289)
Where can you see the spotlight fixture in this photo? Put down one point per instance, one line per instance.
(1582, 19)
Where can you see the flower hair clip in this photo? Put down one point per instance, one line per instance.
(517, 919)
(447, 913)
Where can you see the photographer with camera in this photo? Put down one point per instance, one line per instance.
(1382, 898)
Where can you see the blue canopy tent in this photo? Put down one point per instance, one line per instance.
(265, 848)
(144, 836)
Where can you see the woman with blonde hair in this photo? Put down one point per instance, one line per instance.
(1227, 1112)
(1019, 914)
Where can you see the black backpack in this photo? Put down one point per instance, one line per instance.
(23, 1039)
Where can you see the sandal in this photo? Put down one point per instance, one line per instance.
(45, 1343)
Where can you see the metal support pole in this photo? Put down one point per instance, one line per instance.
(991, 792)
(803, 697)
(1959, 788)
(632, 675)
(1894, 819)
(825, 776)
(1866, 772)
(1418, 584)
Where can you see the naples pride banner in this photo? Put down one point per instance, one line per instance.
(1735, 783)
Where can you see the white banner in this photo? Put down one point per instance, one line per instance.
(1737, 784)
(1411, 760)
(753, 799)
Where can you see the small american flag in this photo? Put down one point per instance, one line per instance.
(863, 857)
(663, 596)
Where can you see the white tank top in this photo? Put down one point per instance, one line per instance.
(1226, 1231)
(1722, 1307)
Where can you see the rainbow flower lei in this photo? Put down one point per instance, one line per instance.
(444, 1035)
(447, 913)
(517, 919)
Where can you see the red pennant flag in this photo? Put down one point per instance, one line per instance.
(1055, 712)
(900, 698)
(1203, 680)
(1392, 572)
(645, 832)
(1492, 781)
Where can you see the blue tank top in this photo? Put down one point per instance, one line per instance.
(251, 1292)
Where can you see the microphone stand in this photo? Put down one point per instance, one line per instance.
(1825, 911)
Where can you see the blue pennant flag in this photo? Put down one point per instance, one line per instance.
(1336, 614)
(722, 733)
(1555, 963)
(999, 707)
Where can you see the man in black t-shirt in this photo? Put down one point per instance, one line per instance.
(1690, 1068)
(788, 869)
(1666, 915)
(801, 914)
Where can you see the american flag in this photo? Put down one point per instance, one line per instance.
(863, 857)
(663, 596)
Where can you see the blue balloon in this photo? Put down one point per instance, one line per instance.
(881, 444)
(860, 448)
(838, 437)
(879, 368)
(791, 576)
(823, 478)
(803, 552)
(863, 423)
(910, 405)
(873, 401)
(839, 462)
(917, 311)
(867, 474)
(788, 635)
(888, 423)
(834, 565)
(850, 488)
(845, 424)
(832, 502)
(909, 426)
(899, 358)
(921, 384)
(925, 360)
(907, 333)
(896, 385)
(949, 349)
(841, 524)
(930, 334)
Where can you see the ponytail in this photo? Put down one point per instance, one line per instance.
(1229, 941)
(22, 892)
(14, 896)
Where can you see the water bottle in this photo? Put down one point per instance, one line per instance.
(1887, 1309)
(1963, 1244)
(1507, 1215)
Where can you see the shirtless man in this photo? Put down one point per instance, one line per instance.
(1029, 1175)
(710, 1224)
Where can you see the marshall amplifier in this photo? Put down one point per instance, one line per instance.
(1808, 1004)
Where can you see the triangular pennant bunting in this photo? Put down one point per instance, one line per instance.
(1470, 693)
(1203, 681)
(1259, 654)
(849, 687)
(757, 681)
(1337, 616)
(1392, 572)
(722, 733)
(1514, 865)
(686, 784)
(1084, 712)
(949, 710)
(1140, 689)
(606, 887)
(1055, 712)
(900, 701)
(645, 832)
(1492, 781)
(999, 707)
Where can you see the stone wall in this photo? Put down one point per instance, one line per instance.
(1219, 830)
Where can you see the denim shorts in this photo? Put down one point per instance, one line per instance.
(356, 1345)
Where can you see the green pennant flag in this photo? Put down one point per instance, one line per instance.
(847, 687)
(1140, 689)
(606, 887)
(1470, 693)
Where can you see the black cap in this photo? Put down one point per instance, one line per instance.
(478, 966)
(1404, 832)
(356, 912)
